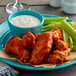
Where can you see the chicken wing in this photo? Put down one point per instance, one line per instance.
(57, 38)
(42, 48)
(14, 46)
(28, 41)
(59, 56)
(57, 33)
(60, 45)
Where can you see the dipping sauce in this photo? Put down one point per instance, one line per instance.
(25, 21)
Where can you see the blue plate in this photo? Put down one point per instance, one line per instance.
(5, 36)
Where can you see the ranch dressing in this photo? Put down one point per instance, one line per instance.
(25, 21)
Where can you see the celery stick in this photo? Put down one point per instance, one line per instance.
(67, 38)
(65, 35)
(73, 24)
(74, 44)
(54, 19)
(50, 26)
(70, 42)
(69, 29)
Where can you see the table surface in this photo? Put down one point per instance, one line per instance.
(43, 7)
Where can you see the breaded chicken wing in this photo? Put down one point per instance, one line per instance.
(57, 38)
(57, 33)
(59, 56)
(42, 48)
(60, 45)
(28, 41)
(14, 46)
